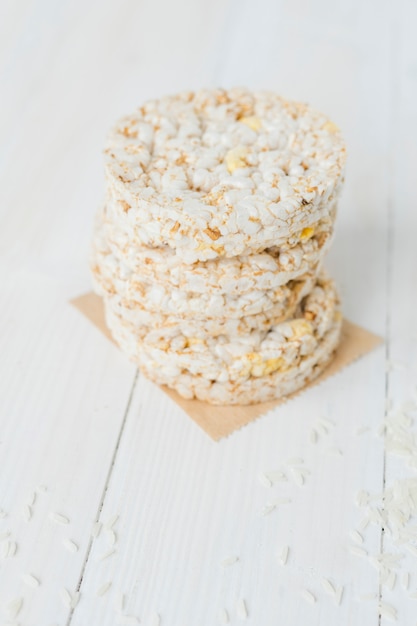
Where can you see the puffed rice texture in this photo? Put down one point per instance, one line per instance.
(222, 173)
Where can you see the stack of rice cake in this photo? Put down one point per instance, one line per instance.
(219, 209)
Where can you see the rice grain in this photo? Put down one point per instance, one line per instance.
(241, 609)
(230, 560)
(308, 596)
(101, 591)
(31, 580)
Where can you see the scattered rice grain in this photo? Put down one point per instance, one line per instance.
(267, 509)
(230, 560)
(325, 421)
(112, 537)
(59, 518)
(356, 536)
(31, 580)
(4, 549)
(298, 477)
(101, 591)
(128, 619)
(388, 611)
(70, 545)
(391, 580)
(405, 580)
(314, 436)
(284, 555)
(27, 513)
(155, 619)
(279, 501)
(381, 430)
(334, 451)
(364, 523)
(356, 551)
(241, 609)
(66, 597)
(339, 595)
(32, 498)
(374, 562)
(107, 554)
(328, 586)
(322, 429)
(368, 596)
(96, 529)
(361, 430)
(362, 498)
(223, 616)
(112, 521)
(276, 476)
(412, 549)
(14, 607)
(308, 596)
(409, 406)
(119, 604)
(75, 599)
(264, 480)
(295, 460)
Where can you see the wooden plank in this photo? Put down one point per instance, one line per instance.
(64, 392)
(64, 389)
(186, 503)
(402, 348)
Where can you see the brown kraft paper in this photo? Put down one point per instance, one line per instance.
(221, 421)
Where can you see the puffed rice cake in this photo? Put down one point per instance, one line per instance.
(137, 315)
(219, 209)
(222, 172)
(246, 369)
(263, 271)
(111, 276)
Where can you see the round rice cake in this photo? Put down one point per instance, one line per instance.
(225, 359)
(154, 326)
(222, 173)
(111, 277)
(251, 390)
(237, 275)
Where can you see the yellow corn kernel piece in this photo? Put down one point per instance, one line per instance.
(331, 127)
(253, 122)
(235, 158)
(257, 367)
(192, 341)
(307, 233)
(254, 357)
(251, 360)
(272, 365)
(301, 327)
(338, 316)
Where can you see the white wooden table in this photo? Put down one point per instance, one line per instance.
(77, 419)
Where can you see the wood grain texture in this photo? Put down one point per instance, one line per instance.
(74, 416)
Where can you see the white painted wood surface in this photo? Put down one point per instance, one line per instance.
(73, 415)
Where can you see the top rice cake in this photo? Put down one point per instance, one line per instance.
(220, 173)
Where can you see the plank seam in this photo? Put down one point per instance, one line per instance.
(105, 489)
(389, 256)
